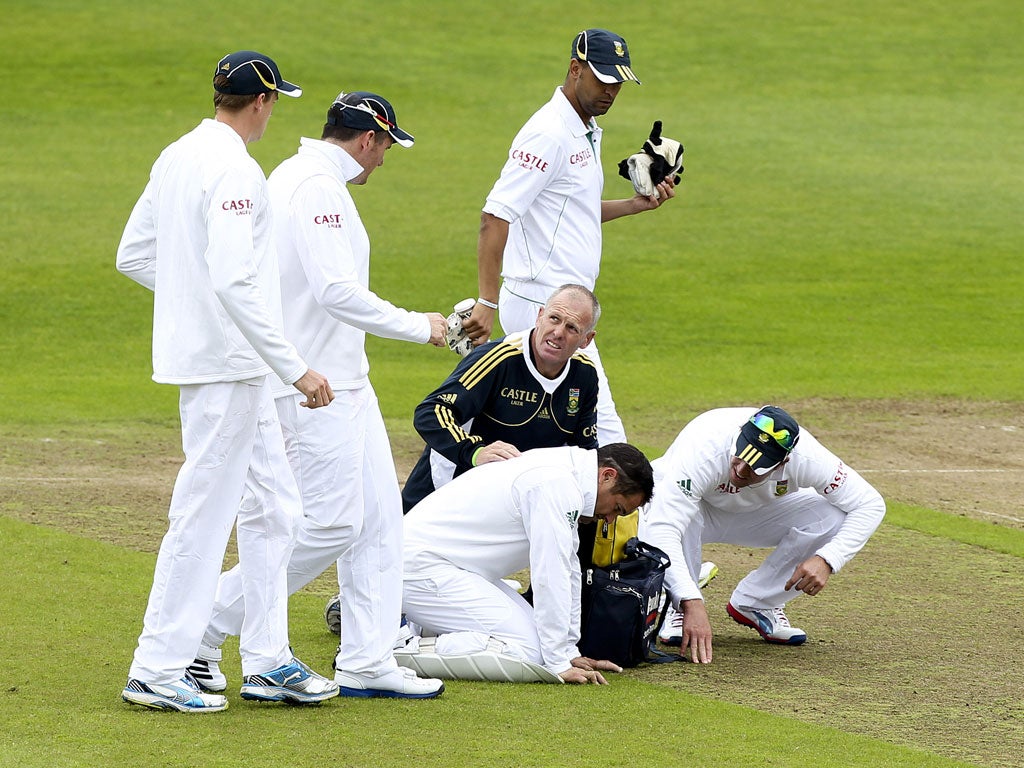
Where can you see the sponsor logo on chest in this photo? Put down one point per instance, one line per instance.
(581, 159)
(519, 396)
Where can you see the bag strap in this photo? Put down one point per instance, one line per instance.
(636, 549)
(658, 656)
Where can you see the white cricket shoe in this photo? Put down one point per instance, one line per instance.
(398, 683)
(671, 632)
(770, 623)
(205, 669)
(708, 571)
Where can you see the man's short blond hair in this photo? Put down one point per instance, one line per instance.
(583, 294)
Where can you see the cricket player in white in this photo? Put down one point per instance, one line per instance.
(343, 463)
(500, 518)
(541, 224)
(752, 477)
(199, 238)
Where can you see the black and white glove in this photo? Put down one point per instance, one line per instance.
(458, 341)
(659, 159)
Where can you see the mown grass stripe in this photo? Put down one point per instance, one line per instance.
(991, 536)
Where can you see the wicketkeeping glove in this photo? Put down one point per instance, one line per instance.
(659, 159)
(456, 337)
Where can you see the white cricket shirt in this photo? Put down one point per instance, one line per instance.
(695, 471)
(200, 239)
(505, 516)
(324, 256)
(550, 193)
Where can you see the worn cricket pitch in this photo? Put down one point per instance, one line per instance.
(915, 642)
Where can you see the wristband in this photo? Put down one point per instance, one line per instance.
(487, 303)
(477, 451)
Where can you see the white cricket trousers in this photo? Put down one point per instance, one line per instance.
(464, 609)
(518, 305)
(233, 445)
(795, 525)
(352, 515)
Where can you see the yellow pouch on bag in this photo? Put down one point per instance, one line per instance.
(610, 539)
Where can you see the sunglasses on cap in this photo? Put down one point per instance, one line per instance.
(785, 438)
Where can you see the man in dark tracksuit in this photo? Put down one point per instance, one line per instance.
(532, 389)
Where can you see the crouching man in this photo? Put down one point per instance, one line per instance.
(753, 478)
(491, 522)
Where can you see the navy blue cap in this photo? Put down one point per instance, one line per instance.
(365, 111)
(250, 73)
(606, 53)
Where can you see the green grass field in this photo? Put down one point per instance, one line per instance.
(848, 227)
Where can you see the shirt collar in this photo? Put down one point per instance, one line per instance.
(571, 117)
(345, 164)
(548, 385)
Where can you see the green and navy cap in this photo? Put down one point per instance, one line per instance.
(606, 53)
(249, 73)
(767, 438)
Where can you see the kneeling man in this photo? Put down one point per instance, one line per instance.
(493, 521)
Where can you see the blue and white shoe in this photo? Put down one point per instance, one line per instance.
(770, 623)
(181, 696)
(332, 615)
(293, 683)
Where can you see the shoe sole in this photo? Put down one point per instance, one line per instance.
(380, 693)
(674, 641)
(739, 618)
(708, 579)
(151, 701)
(288, 696)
